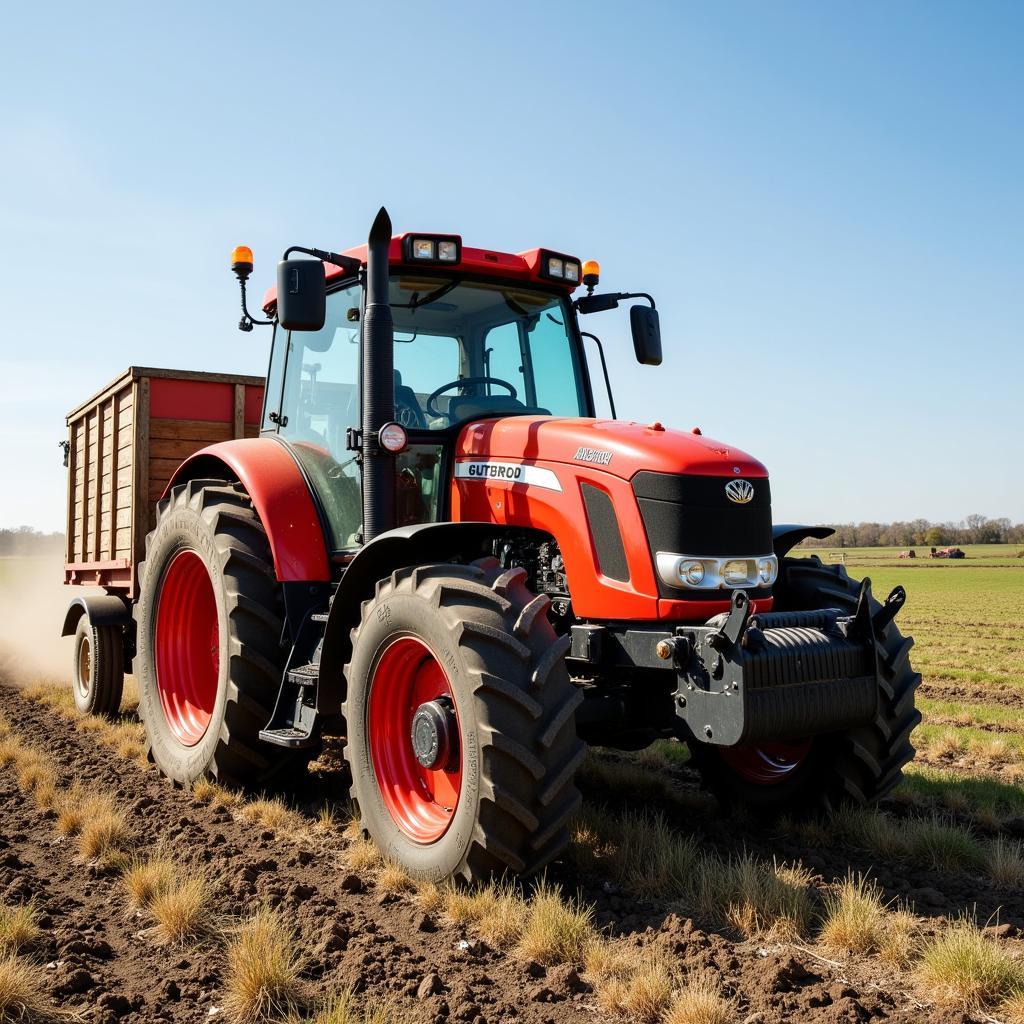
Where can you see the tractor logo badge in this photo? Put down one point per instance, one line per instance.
(598, 455)
(739, 491)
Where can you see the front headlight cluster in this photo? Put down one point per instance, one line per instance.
(716, 573)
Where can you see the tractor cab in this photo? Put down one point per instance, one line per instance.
(466, 347)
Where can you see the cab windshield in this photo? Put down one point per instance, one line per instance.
(468, 349)
(463, 350)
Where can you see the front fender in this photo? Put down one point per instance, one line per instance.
(281, 495)
(396, 549)
(787, 535)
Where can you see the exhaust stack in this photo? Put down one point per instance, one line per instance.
(378, 384)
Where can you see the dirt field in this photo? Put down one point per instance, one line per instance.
(142, 910)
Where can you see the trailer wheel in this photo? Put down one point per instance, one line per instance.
(209, 623)
(97, 676)
(461, 723)
(859, 766)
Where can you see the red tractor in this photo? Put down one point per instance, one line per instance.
(434, 549)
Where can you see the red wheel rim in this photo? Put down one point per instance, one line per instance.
(187, 645)
(422, 801)
(767, 764)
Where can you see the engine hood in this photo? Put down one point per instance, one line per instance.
(619, 447)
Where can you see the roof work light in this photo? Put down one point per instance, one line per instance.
(445, 249)
(557, 267)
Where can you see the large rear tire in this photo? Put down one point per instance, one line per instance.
(97, 675)
(465, 655)
(859, 766)
(209, 622)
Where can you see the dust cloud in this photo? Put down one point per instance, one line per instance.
(33, 601)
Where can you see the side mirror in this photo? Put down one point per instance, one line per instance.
(646, 328)
(301, 295)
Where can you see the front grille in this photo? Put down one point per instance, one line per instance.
(691, 515)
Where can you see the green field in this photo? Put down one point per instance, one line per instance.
(965, 617)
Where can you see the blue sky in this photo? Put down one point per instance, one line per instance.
(827, 201)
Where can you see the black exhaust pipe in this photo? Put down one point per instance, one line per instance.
(378, 384)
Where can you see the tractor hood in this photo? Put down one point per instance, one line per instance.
(619, 447)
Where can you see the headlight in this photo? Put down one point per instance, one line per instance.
(447, 251)
(734, 572)
(572, 271)
(766, 569)
(692, 572)
(556, 267)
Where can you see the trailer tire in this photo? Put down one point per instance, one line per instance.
(97, 676)
(482, 640)
(856, 767)
(209, 624)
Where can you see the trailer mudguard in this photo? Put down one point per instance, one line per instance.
(283, 498)
(397, 549)
(787, 535)
(100, 610)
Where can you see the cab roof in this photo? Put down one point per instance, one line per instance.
(515, 266)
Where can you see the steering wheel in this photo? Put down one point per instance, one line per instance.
(465, 382)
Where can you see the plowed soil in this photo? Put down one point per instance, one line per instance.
(102, 961)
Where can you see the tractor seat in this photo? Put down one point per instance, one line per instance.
(471, 407)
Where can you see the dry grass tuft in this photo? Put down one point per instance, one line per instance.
(700, 1001)
(854, 916)
(943, 846)
(362, 856)
(429, 897)
(145, 880)
(345, 1008)
(643, 994)
(556, 930)
(22, 984)
(755, 897)
(961, 965)
(104, 839)
(274, 815)
(75, 809)
(206, 791)
(182, 911)
(262, 978)
(898, 943)
(498, 911)
(393, 880)
(18, 927)
(1006, 862)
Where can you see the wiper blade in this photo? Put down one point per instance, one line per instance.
(433, 296)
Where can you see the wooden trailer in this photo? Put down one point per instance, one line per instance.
(123, 445)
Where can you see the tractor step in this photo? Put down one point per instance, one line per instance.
(304, 675)
(319, 617)
(289, 737)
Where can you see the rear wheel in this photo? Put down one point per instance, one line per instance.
(461, 723)
(858, 766)
(209, 624)
(97, 676)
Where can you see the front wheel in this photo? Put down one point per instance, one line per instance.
(461, 723)
(858, 766)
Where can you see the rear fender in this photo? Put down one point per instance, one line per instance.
(101, 610)
(397, 549)
(281, 494)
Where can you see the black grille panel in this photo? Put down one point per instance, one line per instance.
(691, 515)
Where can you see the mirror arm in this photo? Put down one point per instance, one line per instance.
(604, 368)
(348, 264)
(639, 295)
(248, 321)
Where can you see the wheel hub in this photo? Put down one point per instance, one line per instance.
(433, 730)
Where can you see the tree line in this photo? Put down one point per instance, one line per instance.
(975, 529)
(23, 540)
